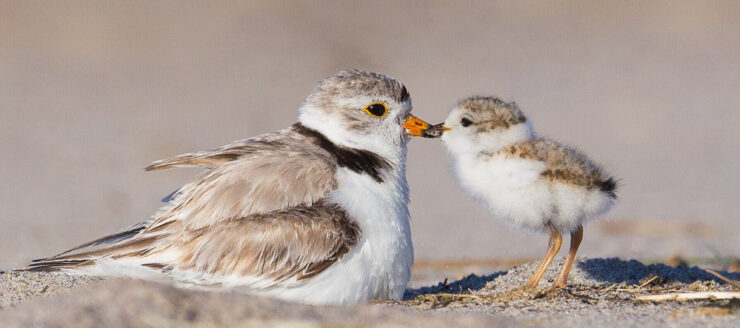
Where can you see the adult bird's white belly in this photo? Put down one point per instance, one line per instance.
(379, 266)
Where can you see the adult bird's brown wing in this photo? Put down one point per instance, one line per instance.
(269, 189)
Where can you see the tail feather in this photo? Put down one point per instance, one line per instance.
(55, 266)
(609, 186)
(128, 242)
(110, 239)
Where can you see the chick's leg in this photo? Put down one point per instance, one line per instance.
(553, 247)
(575, 240)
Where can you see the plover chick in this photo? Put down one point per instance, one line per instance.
(523, 179)
(315, 213)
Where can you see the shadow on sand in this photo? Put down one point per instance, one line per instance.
(597, 271)
(614, 270)
(471, 282)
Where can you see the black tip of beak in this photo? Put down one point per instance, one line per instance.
(434, 131)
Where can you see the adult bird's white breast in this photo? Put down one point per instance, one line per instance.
(379, 266)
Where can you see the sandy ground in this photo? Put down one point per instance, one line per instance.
(602, 292)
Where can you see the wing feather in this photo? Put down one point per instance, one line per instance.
(224, 154)
(562, 163)
(260, 214)
(296, 243)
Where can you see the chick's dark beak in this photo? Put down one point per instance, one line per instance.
(434, 131)
(417, 127)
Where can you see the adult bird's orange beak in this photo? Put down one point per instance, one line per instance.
(415, 126)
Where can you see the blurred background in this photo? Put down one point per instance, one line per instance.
(91, 92)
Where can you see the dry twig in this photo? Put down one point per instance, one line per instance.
(653, 278)
(733, 283)
(459, 296)
(690, 296)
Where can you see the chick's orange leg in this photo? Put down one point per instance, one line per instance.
(553, 247)
(575, 240)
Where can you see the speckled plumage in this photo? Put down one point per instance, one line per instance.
(523, 179)
(330, 92)
(563, 164)
(492, 113)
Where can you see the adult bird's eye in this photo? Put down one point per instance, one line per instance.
(466, 122)
(376, 109)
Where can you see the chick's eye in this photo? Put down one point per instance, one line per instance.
(466, 122)
(376, 109)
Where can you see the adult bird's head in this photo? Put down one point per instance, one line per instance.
(362, 110)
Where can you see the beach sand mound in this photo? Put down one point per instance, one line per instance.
(601, 292)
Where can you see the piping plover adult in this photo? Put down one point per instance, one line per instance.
(532, 182)
(315, 213)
